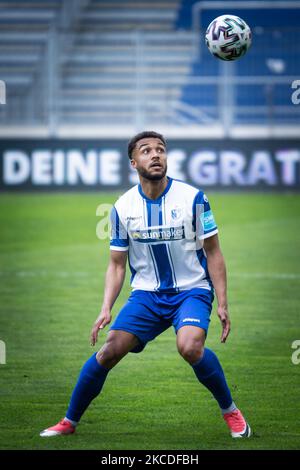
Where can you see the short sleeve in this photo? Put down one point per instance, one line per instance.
(203, 218)
(119, 240)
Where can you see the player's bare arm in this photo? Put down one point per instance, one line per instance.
(114, 280)
(217, 272)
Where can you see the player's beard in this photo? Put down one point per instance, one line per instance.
(152, 177)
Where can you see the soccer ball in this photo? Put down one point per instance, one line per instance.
(228, 37)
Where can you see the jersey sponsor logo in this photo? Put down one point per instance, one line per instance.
(135, 235)
(158, 234)
(196, 320)
(208, 221)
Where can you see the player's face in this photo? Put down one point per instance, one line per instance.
(149, 158)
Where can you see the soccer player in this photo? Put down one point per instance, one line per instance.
(166, 230)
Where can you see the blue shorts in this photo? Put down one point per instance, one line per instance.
(147, 314)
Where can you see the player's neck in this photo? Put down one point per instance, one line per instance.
(153, 189)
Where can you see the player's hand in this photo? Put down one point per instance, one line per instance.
(225, 322)
(103, 320)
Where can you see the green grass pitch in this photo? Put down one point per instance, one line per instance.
(51, 284)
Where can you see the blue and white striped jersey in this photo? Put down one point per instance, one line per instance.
(164, 237)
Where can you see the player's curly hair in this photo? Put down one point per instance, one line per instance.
(143, 135)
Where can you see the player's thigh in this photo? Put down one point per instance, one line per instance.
(140, 316)
(191, 321)
(190, 339)
(117, 345)
(123, 341)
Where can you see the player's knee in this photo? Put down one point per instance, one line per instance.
(109, 355)
(191, 351)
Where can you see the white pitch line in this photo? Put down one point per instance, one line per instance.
(68, 274)
(62, 274)
(273, 276)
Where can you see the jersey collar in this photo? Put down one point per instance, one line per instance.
(159, 197)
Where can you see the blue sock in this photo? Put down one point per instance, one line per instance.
(210, 373)
(89, 385)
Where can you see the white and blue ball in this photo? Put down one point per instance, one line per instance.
(228, 37)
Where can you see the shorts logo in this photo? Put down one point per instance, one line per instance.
(191, 319)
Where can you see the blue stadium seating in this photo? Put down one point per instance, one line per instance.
(118, 61)
(266, 71)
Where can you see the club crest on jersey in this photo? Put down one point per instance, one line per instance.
(176, 213)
